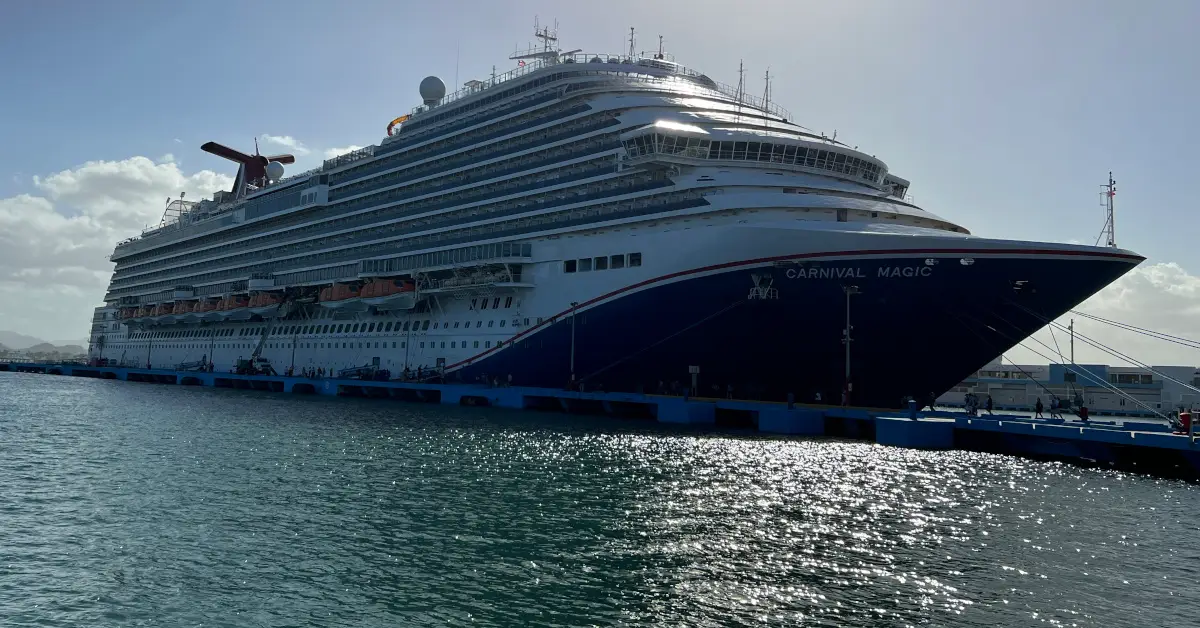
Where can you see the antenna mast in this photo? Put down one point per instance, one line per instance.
(741, 88)
(1110, 227)
(631, 40)
(661, 55)
(767, 90)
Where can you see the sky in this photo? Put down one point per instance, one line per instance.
(1006, 116)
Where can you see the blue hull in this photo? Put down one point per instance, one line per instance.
(917, 328)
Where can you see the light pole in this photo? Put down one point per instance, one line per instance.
(574, 304)
(846, 340)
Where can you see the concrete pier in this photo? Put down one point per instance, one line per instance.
(918, 433)
(1137, 445)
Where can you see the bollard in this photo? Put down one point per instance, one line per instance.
(912, 409)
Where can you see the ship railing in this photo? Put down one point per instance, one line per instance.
(623, 61)
(346, 158)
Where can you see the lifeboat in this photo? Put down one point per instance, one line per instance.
(143, 312)
(232, 302)
(183, 307)
(208, 305)
(129, 312)
(341, 296)
(390, 294)
(264, 302)
(163, 309)
(233, 307)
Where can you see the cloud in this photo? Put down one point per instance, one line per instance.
(178, 141)
(1162, 297)
(286, 141)
(54, 243)
(330, 153)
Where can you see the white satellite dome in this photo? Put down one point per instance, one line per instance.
(274, 171)
(432, 89)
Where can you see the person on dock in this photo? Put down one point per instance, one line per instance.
(1037, 407)
(989, 404)
(1054, 408)
(932, 401)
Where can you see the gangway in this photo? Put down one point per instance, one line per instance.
(369, 371)
(198, 365)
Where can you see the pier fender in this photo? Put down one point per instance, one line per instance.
(804, 421)
(930, 433)
(508, 398)
(685, 412)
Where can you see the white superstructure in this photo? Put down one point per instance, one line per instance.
(570, 184)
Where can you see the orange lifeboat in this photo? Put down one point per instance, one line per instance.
(339, 292)
(143, 311)
(207, 305)
(164, 309)
(386, 288)
(265, 299)
(182, 307)
(232, 302)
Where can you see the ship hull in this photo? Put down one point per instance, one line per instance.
(920, 324)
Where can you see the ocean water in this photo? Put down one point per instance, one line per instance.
(125, 504)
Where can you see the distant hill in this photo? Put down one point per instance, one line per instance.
(16, 342)
(13, 342)
(46, 347)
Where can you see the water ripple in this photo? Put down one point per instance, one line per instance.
(142, 505)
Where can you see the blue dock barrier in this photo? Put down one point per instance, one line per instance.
(1137, 445)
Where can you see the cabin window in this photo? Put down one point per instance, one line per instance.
(478, 324)
(422, 345)
(601, 263)
(443, 344)
(425, 325)
(488, 344)
(617, 261)
(393, 344)
(585, 265)
(502, 323)
(496, 303)
(456, 324)
(451, 344)
(635, 259)
(406, 323)
(476, 344)
(372, 328)
(490, 323)
(388, 327)
(568, 267)
(483, 304)
(508, 302)
(842, 215)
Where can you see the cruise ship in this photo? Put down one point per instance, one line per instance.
(607, 222)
